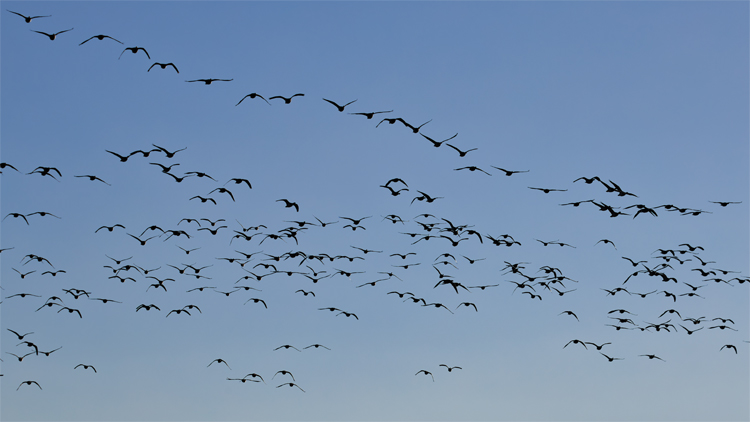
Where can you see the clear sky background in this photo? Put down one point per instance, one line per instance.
(650, 95)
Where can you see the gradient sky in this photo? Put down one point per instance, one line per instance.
(650, 95)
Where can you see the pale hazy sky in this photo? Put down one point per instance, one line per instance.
(652, 96)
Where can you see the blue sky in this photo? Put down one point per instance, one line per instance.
(652, 96)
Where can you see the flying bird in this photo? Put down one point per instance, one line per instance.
(94, 178)
(29, 383)
(287, 347)
(290, 384)
(238, 181)
(210, 80)
(473, 168)
(163, 66)
(512, 172)
(548, 190)
(287, 100)
(339, 107)
(435, 143)
(52, 36)
(369, 115)
(289, 204)
(607, 241)
(169, 154)
(462, 153)
(569, 313)
(252, 95)
(28, 19)
(729, 346)
(100, 38)
(85, 367)
(316, 346)
(134, 50)
(426, 372)
(219, 361)
(20, 336)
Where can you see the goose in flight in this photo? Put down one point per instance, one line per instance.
(339, 107)
(252, 95)
(435, 143)
(576, 341)
(52, 36)
(100, 37)
(290, 384)
(512, 172)
(29, 383)
(219, 361)
(93, 178)
(289, 204)
(164, 66)
(134, 50)
(208, 81)
(548, 190)
(316, 346)
(426, 372)
(286, 100)
(653, 357)
(85, 367)
(462, 153)
(609, 358)
(283, 372)
(28, 19)
(369, 115)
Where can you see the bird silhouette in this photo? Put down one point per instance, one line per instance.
(315, 346)
(70, 311)
(290, 384)
(415, 129)
(339, 107)
(134, 50)
(219, 361)
(653, 357)
(169, 154)
(606, 241)
(94, 178)
(610, 358)
(369, 115)
(252, 95)
(576, 341)
(569, 313)
(4, 165)
(287, 100)
(28, 19)
(435, 143)
(101, 37)
(52, 37)
(548, 190)
(729, 346)
(210, 80)
(17, 215)
(473, 168)
(283, 372)
(460, 152)
(289, 204)
(426, 372)
(512, 172)
(163, 66)
(85, 367)
(28, 383)
(20, 336)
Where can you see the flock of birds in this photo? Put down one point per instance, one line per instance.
(642, 276)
